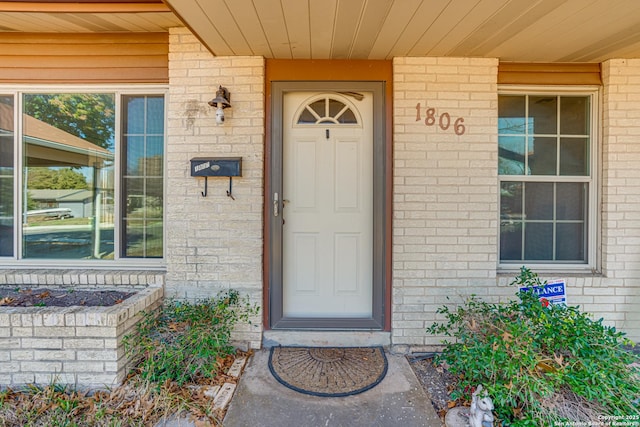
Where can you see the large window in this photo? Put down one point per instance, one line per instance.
(89, 180)
(546, 177)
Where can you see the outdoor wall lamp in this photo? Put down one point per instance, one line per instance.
(221, 101)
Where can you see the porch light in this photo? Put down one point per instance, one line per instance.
(221, 101)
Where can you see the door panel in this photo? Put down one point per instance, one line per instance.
(327, 233)
(328, 218)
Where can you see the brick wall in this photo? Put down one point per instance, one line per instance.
(81, 279)
(78, 346)
(214, 243)
(618, 300)
(445, 191)
(446, 200)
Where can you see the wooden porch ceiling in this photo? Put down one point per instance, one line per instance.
(511, 30)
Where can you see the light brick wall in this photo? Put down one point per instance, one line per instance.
(81, 279)
(619, 299)
(445, 189)
(446, 200)
(214, 243)
(77, 346)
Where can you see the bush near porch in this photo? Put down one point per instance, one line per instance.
(541, 363)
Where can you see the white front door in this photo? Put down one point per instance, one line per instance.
(327, 234)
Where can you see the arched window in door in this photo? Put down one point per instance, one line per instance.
(326, 110)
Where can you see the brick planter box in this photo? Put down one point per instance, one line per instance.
(78, 346)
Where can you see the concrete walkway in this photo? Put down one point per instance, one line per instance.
(261, 401)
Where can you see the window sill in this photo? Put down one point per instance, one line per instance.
(547, 270)
(108, 265)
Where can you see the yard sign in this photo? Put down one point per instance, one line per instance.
(554, 291)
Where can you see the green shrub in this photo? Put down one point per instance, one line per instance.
(187, 342)
(541, 364)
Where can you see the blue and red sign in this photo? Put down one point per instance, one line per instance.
(552, 292)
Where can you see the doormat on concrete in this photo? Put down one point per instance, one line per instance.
(328, 371)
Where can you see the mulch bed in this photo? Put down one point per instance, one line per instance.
(43, 297)
(436, 381)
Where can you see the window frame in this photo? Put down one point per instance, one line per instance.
(593, 179)
(17, 260)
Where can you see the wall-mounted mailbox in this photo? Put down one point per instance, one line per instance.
(216, 166)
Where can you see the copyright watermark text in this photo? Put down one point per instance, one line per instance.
(604, 421)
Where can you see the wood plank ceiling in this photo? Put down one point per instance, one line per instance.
(511, 30)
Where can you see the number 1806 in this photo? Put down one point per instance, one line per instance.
(444, 119)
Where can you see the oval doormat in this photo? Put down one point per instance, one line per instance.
(328, 371)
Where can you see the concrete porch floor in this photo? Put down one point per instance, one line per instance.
(261, 401)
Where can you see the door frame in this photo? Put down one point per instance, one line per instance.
(274, 254)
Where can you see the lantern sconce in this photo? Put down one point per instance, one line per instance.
(220, 102)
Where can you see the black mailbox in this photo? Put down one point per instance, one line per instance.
(216, 166)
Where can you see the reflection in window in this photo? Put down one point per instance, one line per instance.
(7, 127)
(543, 135)
(143, 151)
(68, 174)
(327, 110)
(69, 208)
(544, 143)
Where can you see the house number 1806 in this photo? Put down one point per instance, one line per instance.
(444, 120)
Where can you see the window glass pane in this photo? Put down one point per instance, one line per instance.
(154, 164)
(133, 188)
(153, 197)
(543, 111)
(7, 127)
(335, 107)
(512, 115)
(511, 200)
(571, 204)
(318, 107)
(143, 192)
(154, 240)
(135, 238)
(574, 156)
(347, 117)
(511, 220)
(306, 117)
(538, 201)
(574, 115)
(155, 116)
(538, 238)
(510, 241)
(542, 158)
(135, 155)
(570, 242)
(511, 150)
(134, 120)
(68, 171)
